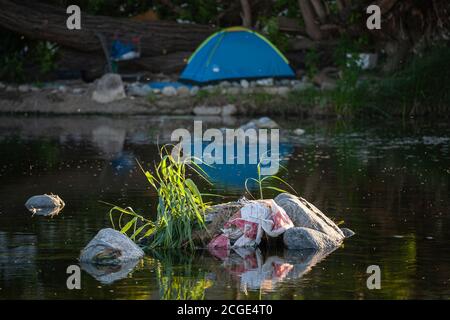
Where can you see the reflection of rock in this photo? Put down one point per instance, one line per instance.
(107, 274)
(110, 247)
(256, 273)
(108, 139)
(45, 205)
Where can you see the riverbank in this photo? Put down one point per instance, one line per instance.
(420, 89)
(76, 98)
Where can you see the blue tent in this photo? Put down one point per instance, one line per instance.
(236, 53)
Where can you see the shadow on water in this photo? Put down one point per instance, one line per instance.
(389, 182)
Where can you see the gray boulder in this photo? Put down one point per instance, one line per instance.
(312, 229)
(306, 238)
(108, 88)
(305, 214)
(45, 205)
(110, 247)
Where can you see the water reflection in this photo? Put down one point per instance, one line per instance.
(107, 274)
(387, 181)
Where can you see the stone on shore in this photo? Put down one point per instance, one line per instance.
(169, 91)
(207, 111)
(110, 247)
(108, 88)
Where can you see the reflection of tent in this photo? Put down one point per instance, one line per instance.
(236, 53)
(233, 175)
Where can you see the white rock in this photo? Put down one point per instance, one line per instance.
(228, 110)
(139, 90)
(207, 111)
(299, 132)
(2, 86)
(194, 90)
(244, 84)
(24, 88)
(11, 89)
(265, 82)
(62, 89)
(169, 91)
(225, 84)
(183, 91)
(266, 123)
(77, 91)
(283, 90)
(108, 88)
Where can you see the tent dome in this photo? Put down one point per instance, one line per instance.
(236, 53)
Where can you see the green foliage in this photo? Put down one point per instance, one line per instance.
(312, 60)
(273, 33)
(11, 68)
(180, 205)
(45, 56)
(263, 183)
(423, 84)
(199, 11)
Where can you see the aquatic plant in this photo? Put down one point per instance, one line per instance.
(263, 183)
(180, 204)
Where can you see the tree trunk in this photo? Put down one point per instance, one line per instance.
(246, 14)
(312, 29)
(320, 10)
(45, 22)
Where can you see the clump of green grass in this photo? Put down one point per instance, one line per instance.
(180, 210)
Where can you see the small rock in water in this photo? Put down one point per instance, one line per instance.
(110, 247)
(169, 91)
(45, 205)
(266, 123)
(347, 232)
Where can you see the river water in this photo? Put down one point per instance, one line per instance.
(386, 180)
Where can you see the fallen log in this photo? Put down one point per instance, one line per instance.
(46, 22)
